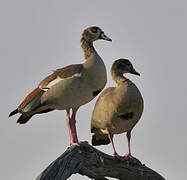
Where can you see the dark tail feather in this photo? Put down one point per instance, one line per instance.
(13, 112)
(23, 119)
(100, 139)
(45, 111)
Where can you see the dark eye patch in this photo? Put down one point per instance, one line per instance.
(94, 30)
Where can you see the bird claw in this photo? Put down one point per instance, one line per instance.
(134, 160)
(78, 143)
(127, 157)
(118, 156)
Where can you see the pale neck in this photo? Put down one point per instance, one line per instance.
(87, 47)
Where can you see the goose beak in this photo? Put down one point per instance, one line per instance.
(104, 37)
(133, 71)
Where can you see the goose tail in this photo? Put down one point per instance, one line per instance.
(98, 138)
(13, 112)
(23, 119)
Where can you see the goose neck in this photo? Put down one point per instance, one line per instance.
(87, 47)
(118, 77)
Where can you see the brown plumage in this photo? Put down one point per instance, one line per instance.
(69, 87)
(29, 98)
(63, 73)
(118, 109)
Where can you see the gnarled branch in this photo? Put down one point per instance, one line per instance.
(88, 161)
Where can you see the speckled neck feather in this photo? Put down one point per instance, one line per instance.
(118, 77)
(87, 47)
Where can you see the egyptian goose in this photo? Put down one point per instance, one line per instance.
(118, 109)
(69, 87)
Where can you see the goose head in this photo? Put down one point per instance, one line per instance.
(122, 66)
(94, 33)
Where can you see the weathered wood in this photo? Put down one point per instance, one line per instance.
(88, 161)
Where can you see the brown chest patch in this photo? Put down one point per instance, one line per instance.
(126, 116)
(95, 93)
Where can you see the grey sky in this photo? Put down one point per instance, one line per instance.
(38, 36)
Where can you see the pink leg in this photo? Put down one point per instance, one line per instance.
(128, 155)
(110, 136)
(72, 129)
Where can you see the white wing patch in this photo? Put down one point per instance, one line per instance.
(77, 75)
(44, 89)
(57, 80)
(52, 83)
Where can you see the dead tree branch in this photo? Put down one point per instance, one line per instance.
(88, 161)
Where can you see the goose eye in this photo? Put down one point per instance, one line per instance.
(94, 30)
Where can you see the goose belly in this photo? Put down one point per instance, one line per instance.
(125, 119)
(122, 126)
(68, 94)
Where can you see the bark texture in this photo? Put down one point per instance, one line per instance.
(88, 161)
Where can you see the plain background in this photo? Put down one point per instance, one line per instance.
(38, 36)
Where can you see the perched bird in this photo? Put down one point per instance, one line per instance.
(118, 109)
(69, 87)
